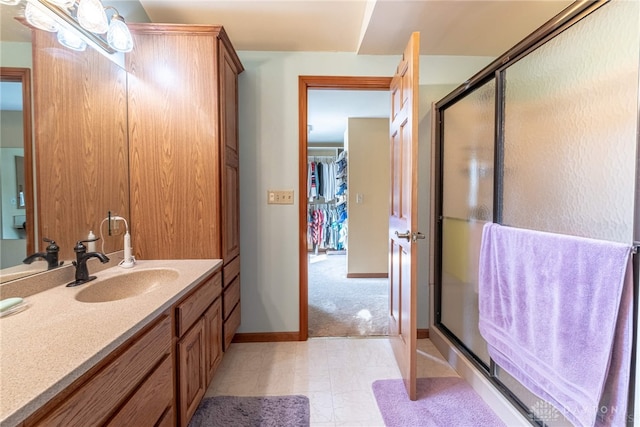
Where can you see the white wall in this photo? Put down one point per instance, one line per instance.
(368, 178)
(14, 54)
(9, 192)
(13, 243)
(268, 118)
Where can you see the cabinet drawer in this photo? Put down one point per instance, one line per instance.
(147, 406)
(190, 310)
(231, 297)
(168, 419)
(231, 270)
(231, 326)
(93, 402)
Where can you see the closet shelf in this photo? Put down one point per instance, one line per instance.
(322, 202)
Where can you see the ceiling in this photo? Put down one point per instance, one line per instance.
(365, 27)
(328, 111)
(447, 27)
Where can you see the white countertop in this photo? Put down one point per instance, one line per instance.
(57, 338)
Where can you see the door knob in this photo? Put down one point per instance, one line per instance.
(417, 235)
(406, 235)
(411, 236)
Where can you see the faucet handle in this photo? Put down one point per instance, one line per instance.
(52, 253)
(52, 247)
(80, 248)
(88, 240)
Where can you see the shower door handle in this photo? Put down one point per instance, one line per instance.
(406, 235)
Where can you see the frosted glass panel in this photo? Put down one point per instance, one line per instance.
(570, 129)
(467, 205)
(468, 155)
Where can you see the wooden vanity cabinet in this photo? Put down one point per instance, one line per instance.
(132, 386)
(183, 146)
(199, 344)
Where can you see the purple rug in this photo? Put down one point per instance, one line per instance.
(249, 411)
(445, 401)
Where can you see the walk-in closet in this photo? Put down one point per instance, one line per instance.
(347, 212)
(327, 199)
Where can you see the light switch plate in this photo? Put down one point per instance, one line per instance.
(280, 197)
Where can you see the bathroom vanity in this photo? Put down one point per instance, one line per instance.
(134, 347)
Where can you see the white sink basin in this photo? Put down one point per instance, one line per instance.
(126, 285)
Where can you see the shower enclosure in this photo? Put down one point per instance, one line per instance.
(544, 138)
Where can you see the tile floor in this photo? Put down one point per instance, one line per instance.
(335, 373)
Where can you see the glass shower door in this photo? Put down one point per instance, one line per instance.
(468, 151)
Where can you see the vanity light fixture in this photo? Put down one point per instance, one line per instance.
(71, 40)
(79, 23)
(118, 34)
(63, 3)
(40, 19)
(92, 17)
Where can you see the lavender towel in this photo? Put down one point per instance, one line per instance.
(556, 313)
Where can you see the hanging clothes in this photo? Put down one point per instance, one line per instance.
(321, 178)
(311, 180)
(327, 195)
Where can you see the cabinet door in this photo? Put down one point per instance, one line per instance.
(213, 333)
(173, 143)
(230, 155)
(191, 371)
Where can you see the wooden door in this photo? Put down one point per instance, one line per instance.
(403, 219)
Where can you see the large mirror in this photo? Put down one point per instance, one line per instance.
(79, 134)
(16, 160)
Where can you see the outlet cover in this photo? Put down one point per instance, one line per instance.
(280, 197)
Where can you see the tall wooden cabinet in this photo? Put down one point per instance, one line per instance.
(183, 145)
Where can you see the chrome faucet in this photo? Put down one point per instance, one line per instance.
(82, 256)
(51, 255)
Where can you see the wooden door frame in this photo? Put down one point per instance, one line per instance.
(305, 83)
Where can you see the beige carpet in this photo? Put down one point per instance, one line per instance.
(341, 307)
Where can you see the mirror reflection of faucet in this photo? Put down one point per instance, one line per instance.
(51, 255)
(82, 256)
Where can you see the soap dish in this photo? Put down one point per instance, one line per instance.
(15, 308)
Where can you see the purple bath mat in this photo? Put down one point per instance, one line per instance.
(445, 401)
(249, 411)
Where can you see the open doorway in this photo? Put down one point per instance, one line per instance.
(343, 267)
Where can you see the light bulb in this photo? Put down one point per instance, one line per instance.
(71, 40)
(92, 16)
(119, 36)
(39, 19)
